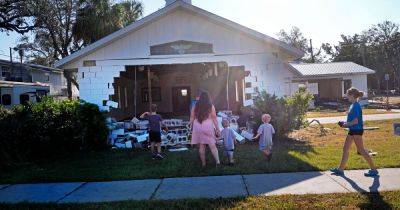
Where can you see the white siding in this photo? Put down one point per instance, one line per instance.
(359, 82)
(233, 47)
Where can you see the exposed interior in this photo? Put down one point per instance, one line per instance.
(174, 86)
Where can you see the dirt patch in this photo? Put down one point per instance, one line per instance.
(313, 134)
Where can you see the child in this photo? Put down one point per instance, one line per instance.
(356, 130)
(155, 122)
(229, 139)
(265, 132)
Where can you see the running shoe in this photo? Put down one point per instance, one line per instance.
(337, 171)
(371, 173)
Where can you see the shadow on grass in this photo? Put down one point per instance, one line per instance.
(375, 199)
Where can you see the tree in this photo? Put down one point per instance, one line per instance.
(296, 39)
(98, 18)
(377, 48)
(65, 26)
(14, 16)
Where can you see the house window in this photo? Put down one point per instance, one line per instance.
(89, 63)
(248, 96)
(184, 92)
(47, 77)
(346, 85)
(23, 99)
(6, 99)
(5, 72)
(83, 75)
(155, 94)
(248, 84)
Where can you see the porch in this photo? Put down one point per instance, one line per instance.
(173, 86)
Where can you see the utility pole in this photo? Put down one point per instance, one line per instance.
(387, 91)
(11, 61)
(312, 52)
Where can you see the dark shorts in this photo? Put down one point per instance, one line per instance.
(155, 136)
(356, 132)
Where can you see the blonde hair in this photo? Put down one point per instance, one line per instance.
(225, 123)
(355, 92)
(265, 117)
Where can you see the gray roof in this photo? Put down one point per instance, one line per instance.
(329, 69)
(30, 66)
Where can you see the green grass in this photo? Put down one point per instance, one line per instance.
(317, 153)
(385, 200)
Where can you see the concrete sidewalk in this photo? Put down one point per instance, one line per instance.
(371, 117)
(202, 187)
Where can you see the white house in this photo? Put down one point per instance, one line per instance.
(330, 80)
(164, 58)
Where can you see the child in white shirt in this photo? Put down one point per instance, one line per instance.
(265, 132)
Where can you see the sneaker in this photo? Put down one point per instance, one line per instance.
(153, 156)
(371, 173)
(337, 171)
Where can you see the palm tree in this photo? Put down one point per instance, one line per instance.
(98, 18)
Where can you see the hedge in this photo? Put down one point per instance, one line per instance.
(50, 129)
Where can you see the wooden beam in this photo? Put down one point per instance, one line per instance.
(149, 86)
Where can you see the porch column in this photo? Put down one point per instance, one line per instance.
(227, 88)
(135, 92)
(149, 86)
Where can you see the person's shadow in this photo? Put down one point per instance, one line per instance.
(375, 199)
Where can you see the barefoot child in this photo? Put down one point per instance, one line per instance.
(356, 130)
(229, 139)
(265, 132)
(155, 122)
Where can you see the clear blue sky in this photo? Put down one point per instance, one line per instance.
(321, 20)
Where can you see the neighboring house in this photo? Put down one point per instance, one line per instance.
(330, 81)
(14, 93)
(32, 73)
(181, 48)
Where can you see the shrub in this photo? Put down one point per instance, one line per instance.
(287, 113)
(298, 106)
(49, 129)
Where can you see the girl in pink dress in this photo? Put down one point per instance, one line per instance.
(203, 120)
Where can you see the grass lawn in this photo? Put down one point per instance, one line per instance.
(335, 113)
(384, 200)
(311, 152)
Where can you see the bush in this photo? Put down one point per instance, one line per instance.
(49, 129)
(287, 113)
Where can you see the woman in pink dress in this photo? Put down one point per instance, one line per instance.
(203, 120)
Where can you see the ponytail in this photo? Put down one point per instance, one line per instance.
(355, 92)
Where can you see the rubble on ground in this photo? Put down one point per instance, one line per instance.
(134, 133)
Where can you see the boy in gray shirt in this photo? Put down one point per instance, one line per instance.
(265, 132)
(229, 139)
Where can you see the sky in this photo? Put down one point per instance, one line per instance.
(321, 20)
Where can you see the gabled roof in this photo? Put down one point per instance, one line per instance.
(329, 69)
(12, 84)
(30, 66)
(167, 10)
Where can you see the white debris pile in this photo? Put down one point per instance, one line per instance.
(134, 133)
